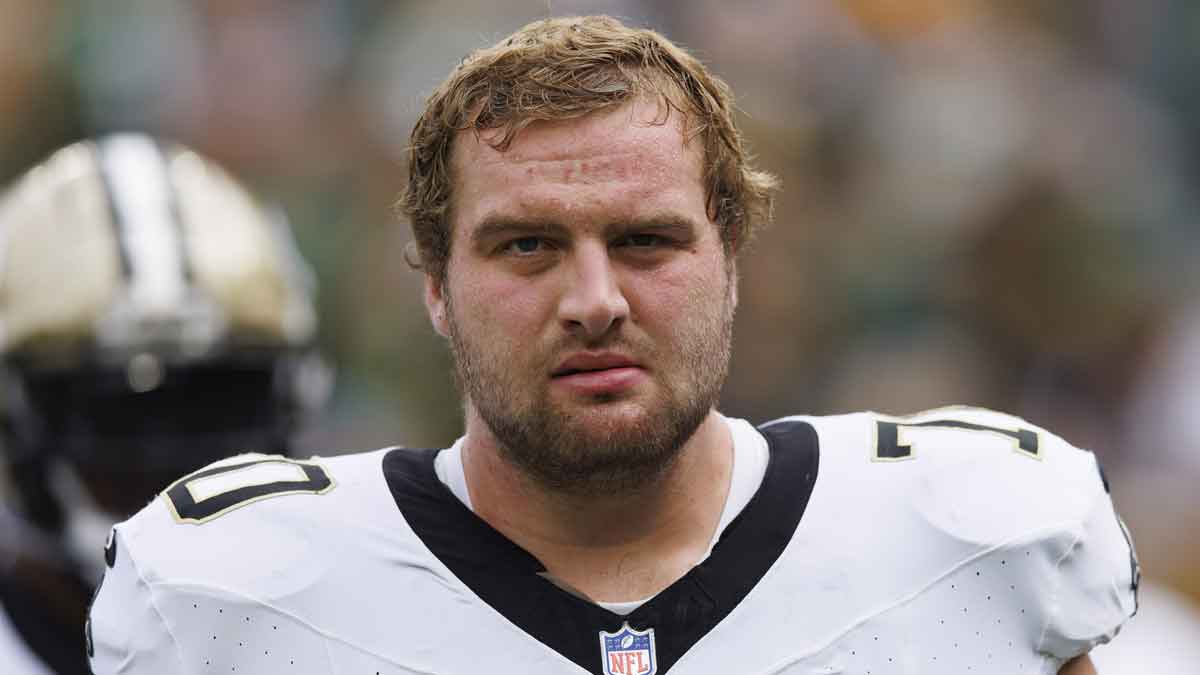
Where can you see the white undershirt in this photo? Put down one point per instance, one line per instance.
(749, 465)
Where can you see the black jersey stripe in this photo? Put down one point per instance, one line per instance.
(507, 577)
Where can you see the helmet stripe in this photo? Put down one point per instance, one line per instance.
(176, 214)
(148, 232)
(114, 213)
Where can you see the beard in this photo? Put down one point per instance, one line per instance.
(604, 445)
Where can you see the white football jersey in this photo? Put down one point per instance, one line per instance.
(954, 541)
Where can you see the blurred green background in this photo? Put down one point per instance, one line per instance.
(985, 202)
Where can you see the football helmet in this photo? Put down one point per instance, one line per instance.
(154, 317)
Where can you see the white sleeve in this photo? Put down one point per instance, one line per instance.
(1095, 582)
(126, 633)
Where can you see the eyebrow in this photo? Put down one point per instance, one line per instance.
(496, 226)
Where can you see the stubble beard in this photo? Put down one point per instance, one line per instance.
(564, 451)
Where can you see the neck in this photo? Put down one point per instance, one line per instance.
(613, 547)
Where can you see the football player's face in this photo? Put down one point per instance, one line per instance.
(588, 298)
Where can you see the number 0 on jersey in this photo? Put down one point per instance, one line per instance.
(212, 492)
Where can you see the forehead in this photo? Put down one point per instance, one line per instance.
(612, 163)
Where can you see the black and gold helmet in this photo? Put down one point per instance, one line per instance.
(154, 317)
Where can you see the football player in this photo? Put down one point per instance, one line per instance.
(578, 195)
(154, 317)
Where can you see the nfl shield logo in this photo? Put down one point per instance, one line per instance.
(628, 652)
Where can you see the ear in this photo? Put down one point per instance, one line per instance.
(435, 304)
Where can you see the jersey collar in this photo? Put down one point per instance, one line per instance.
(508, 578)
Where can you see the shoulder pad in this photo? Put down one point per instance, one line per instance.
(987, 483)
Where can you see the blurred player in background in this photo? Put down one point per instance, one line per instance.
(154, 317)
(579, 193)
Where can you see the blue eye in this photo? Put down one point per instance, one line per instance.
(524, 245)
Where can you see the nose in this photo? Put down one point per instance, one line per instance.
(593, 303)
